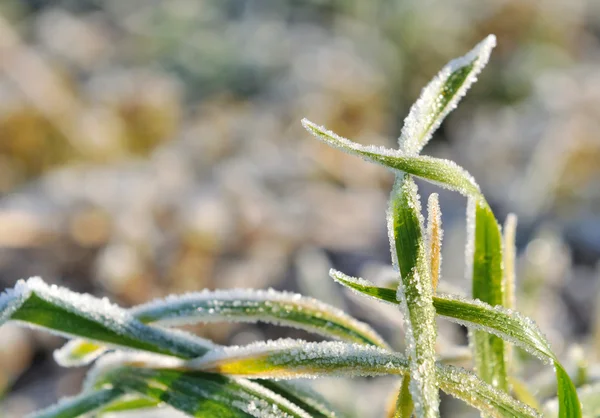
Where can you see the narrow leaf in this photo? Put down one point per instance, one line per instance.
(131, 403)
(487, 276)
(239, 305)
(506, 324)
(203, 394)
(414, 292)
(590, 400)
(289, 359)
(442, 172)
(442, 95)
(401, 404)
(71, 314)
(79, 405)
(434, 238)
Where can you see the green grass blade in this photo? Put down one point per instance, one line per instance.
(402, 405)
(291, 359)
(487, 285)
(506, 324)
(303, 396)
(79, 405)
(240, 305)
(590, 401)
(442, 172)
(568, 400)
(246, 305)
(75, 315)
(441, 96)
(203, 394)
(131, 403)
(409, 252)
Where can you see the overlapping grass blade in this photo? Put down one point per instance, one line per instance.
(290, 359)
(506, 324)
(409, 253)
(203, 394)
(401, 404)
(131, 403)
(81, 404)
(489, 351)
(439, 171)
(441, 96)
(304, 397)
(239, 305)
(70, 314)
(590, 401)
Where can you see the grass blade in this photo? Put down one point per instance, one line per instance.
(239, 305)
(487, 276)
(79, 405)
(401, 405)
(203, 394)
(434, 238)
(71, 314)
(414, 293)
(442, 172)
(290, 359)
(590, 400)
(506, 324)
(131, 403)
(441, 96)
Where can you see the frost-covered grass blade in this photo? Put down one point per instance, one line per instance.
(239, 305)
(501, 322)
(442, 172)
(203, 394)
(290, 359)
(442, 95)
(81, 404)
(409, 253)
(76, 315)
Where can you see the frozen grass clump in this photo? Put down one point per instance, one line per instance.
(142, 363)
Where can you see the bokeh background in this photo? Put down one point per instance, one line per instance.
(153, 147)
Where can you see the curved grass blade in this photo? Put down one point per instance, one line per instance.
(442, 172)
(70, 314)
(442, 95)
(290, 359)
(247, 305)
(487, 285)
(203, 394)
(239, 305)
(405, 228)
(504, 323)
(590, 400)
(79, 405)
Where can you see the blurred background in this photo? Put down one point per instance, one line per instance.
(154, 147)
